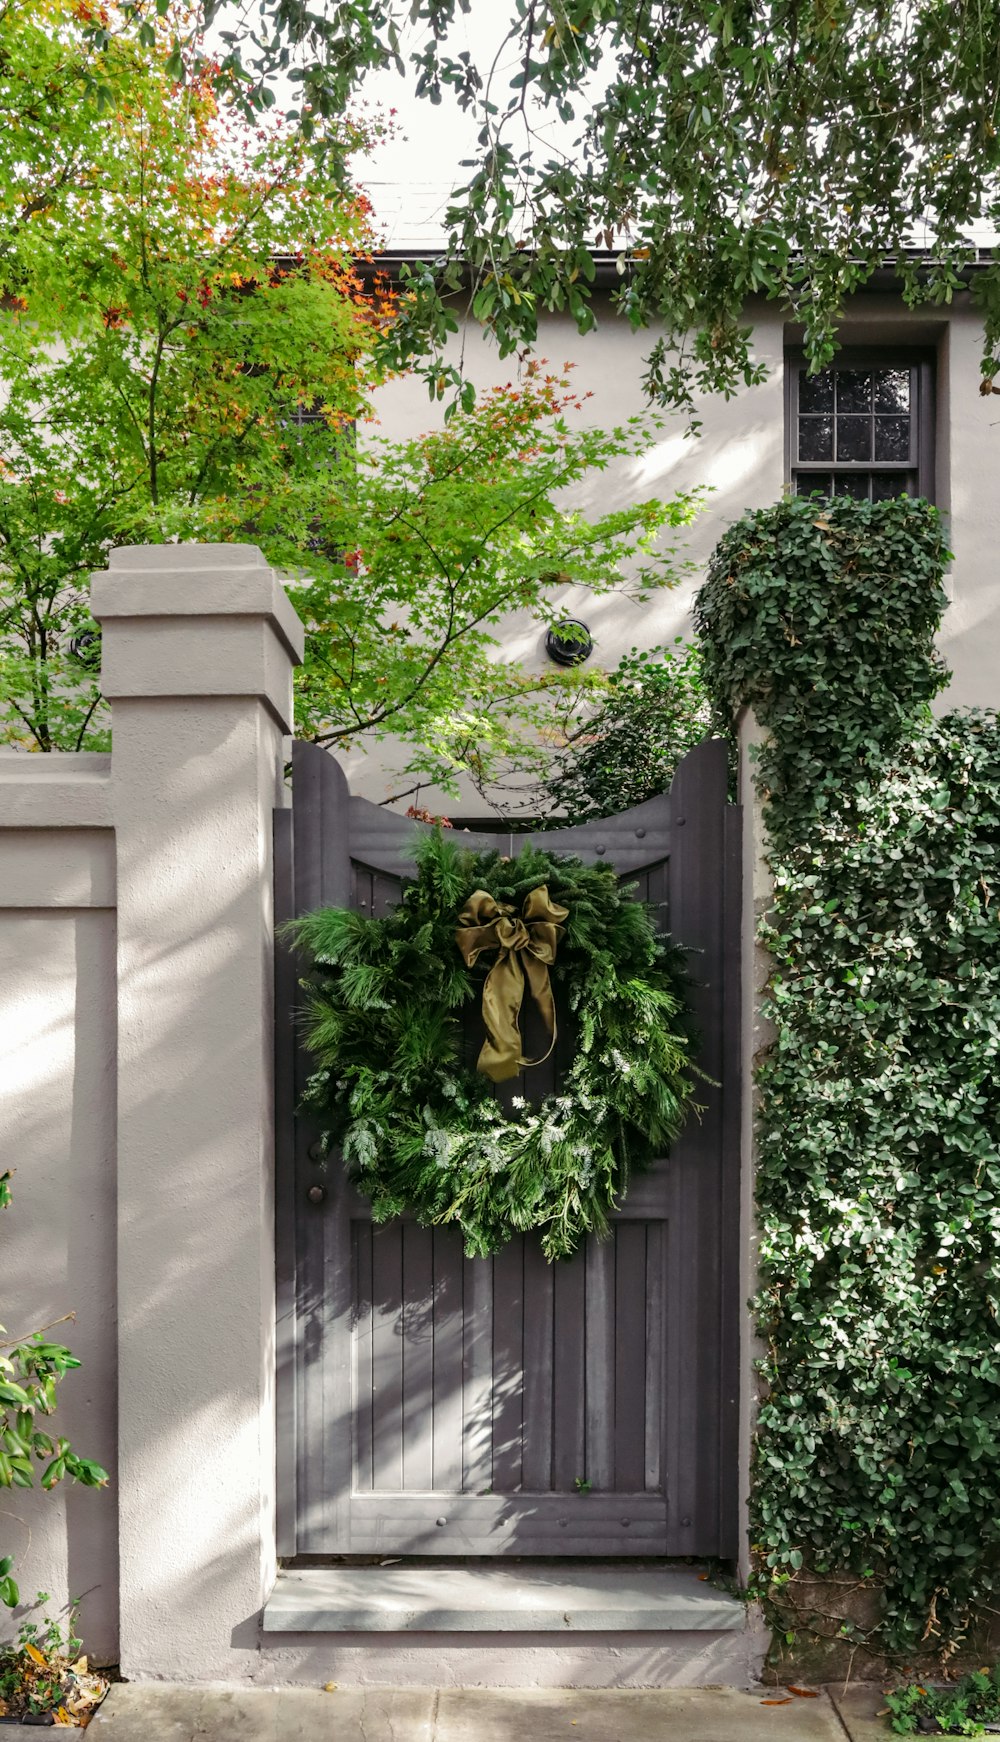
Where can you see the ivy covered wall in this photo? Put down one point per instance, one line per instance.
(878, 1162)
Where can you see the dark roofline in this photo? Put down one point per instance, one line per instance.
(885, 279)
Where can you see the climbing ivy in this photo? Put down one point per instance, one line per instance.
(878, 1172)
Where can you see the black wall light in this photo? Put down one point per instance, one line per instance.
(86, 648)
(569, 642)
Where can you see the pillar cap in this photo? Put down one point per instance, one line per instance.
(207, 621)
(195, 580)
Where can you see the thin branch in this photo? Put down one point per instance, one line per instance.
(17, 1342)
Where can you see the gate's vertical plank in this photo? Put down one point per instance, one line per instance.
(654, 1389)
(600, 1358)
(361, 1377)
(658, 894)
(363, 884)
(508, 1366)
(477, 1376)
(539, 1361)
(569, 1373)
(418, 1356)
(321, 861)
(630, 1399)
(730, 1163)
(447, 1378)
(387, 1356)
(385, 894)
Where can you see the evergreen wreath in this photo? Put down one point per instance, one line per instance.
(421, 1132)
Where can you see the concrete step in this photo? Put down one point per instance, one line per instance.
(499, 1599)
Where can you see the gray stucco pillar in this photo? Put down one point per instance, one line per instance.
(199, 642)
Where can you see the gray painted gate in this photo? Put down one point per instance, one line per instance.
(433, 1404)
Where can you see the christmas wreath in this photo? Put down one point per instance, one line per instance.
(424, 1134)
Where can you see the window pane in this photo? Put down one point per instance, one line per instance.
(815, 438)
(892, 438)
(813, 484)
(854, 438)
(852, 484)
(854, 390)
(892, 389)
(816, 391)
(888, 485)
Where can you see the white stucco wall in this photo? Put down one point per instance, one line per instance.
(136, 1110)
(57, 1135)
(740, 454)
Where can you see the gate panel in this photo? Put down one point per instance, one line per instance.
(446, 1405)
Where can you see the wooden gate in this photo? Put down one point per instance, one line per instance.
(433, 1404)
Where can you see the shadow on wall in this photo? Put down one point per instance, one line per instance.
(57, 1004)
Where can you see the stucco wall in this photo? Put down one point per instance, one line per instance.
(136, 1110)
(740, 454)
(57, 1134)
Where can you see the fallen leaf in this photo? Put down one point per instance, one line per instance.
(803, 1693)
(36, 1656)
(776, 1702)
(329, 1687)
(703, 1575)
(81, 1666)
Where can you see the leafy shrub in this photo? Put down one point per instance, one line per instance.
(878, 1177)
(960, 1710)
(627, 750)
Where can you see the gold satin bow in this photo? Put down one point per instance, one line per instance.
(526, 948)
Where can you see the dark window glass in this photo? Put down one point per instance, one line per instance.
(892, 438)
(854, 438)
(892, 389)
(852, 484)
(887, 485)
(815, 438)
(816, 391)
(814, 484)
(854, 390)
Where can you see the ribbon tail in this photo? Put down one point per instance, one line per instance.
(537, 975)
(500, 1057)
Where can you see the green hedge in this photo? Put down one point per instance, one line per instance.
(878, 1183)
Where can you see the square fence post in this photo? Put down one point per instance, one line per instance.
(199, 643)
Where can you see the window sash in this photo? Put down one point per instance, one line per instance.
(919, 466)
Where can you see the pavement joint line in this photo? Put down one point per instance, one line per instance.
(435, 1705)
(838, 1714)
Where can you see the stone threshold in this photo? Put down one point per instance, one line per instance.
(498, 1599)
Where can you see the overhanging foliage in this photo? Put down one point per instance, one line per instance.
(779, 148)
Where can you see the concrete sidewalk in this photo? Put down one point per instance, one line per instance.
(160, 1713)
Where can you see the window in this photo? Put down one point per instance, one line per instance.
(863, 427)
